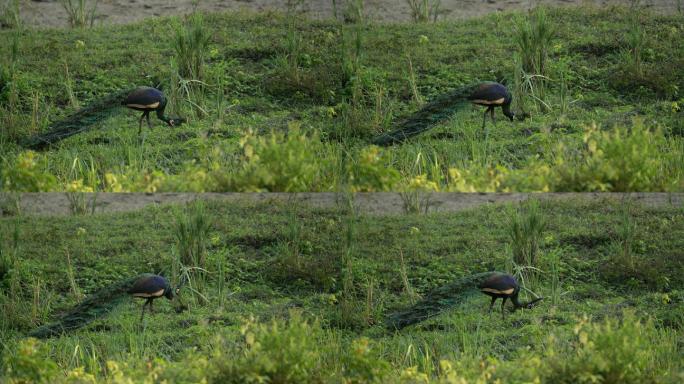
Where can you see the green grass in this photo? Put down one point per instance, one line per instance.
(297, 294)
(340, 85)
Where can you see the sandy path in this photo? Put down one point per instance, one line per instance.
(366, 203)
(49, 13)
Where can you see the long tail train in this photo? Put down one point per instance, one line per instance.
(96, 305)
(78, 122)
(430, 114)
(448, 296)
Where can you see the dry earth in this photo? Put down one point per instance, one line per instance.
(49, 13)
(366, 203)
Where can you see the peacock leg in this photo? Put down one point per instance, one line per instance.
(140, 123)
(491, 305)
(484, 119)
(149, 125)
(151, 306)
(491, 111)
(503, 313)
(142, 315)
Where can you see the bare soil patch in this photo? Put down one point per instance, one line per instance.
(57, 203)
(49, 13)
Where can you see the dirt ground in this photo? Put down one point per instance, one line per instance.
(49, 13)
(366, 203)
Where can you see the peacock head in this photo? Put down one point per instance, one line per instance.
(171, 293)
(533, 303)
(175, 121)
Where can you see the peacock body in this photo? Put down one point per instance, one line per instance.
(92, 307)
(450, 295)
(78, 122)
(438, 300)
(488, 94)
(439, 109)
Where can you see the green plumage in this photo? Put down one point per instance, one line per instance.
(96, 305)
(438, 300)
(430, 114)
(80, 121)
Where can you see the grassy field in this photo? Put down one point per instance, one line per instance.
(281, 293)
(279, 103)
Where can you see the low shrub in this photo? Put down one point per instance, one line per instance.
(615, 351)
(275, 352)
(25, 173)
(277, 162)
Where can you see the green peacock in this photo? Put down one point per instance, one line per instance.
(100, 303)
(488, 94)
(494, 284)
(144, 99)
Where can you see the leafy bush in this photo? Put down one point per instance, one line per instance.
(619, 160)
(477, 179)
(27, 363)
(616, 351)
(277, 352)
(369, 173)
(277, 162)
(24, 174)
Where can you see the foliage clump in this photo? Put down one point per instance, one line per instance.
(25, 173)
(623, 159)
(615, 351)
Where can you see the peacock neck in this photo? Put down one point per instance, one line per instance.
(506, 109)
(160, 111)
(515, 301)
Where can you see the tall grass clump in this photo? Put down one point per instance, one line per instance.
(192, 233)
(423, 11)
(10, 16)
(355, 11)
(9, 252)
(191, 45)
(82, 190)
(361, 90)
(80, 15)
(533, 38)
(525, 231)
(9, 93)
(636, 40)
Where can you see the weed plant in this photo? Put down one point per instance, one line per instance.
(534, 38)
(526, 230)
(424, 10)
(80, 15)
(192, 233)
(10, 15)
